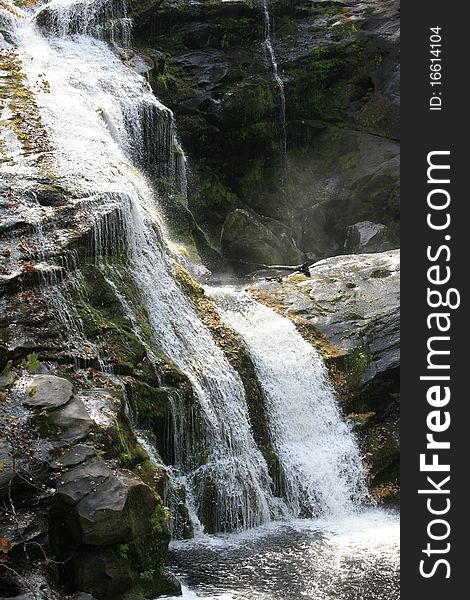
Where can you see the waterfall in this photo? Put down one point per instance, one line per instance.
(182, 173)
(110, 137)
(271, 58)
(322, 471)
(101, 117)
(105, 19)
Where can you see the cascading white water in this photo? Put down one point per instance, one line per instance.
(182, 173)
(106, 19)
(271, 57)
(108, 133)
(322, 468)
(229, 473)
(101, 116)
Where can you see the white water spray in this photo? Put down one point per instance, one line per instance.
(320, 460)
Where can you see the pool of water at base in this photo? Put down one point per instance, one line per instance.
(351, 558)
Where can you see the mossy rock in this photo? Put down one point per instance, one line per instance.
(119, 441)
(117, 529)
(152, 407)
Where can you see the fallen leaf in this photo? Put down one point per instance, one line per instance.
(5, 545)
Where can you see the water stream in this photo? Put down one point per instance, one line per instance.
(110, 137)
(279, 83)
(321, 464)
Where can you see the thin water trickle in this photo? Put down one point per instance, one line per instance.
(272, 59)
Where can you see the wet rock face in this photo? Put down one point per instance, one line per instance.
(338, 62)
(54, 418)
(258, 240)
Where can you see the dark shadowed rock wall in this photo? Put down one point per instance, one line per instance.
(339, 65)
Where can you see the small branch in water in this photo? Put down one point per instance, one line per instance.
(278, 279)
(303, 268)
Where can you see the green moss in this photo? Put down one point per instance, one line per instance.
(25, 121)
(148, 521)
(357, 362)
(155, 415)
(123, 551)
(138, 7)
(190, 285)
(380, 273)
(295, 279)
(250, 104)
(216, 194)
(320, 82)
(31, 363)
(44, 425)
(6, 369)
(353, 365)
(377, 116)
(105, 324)
(119, 441)
(147, 576)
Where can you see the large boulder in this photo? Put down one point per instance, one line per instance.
(255, 240)
(109, 522)
(101, 503)
(60, 416)
(368, 237)
(48, 391)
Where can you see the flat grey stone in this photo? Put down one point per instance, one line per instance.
(48, 391)
(73, 420)
(76, 455)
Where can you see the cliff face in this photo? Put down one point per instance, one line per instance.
(289, 147)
